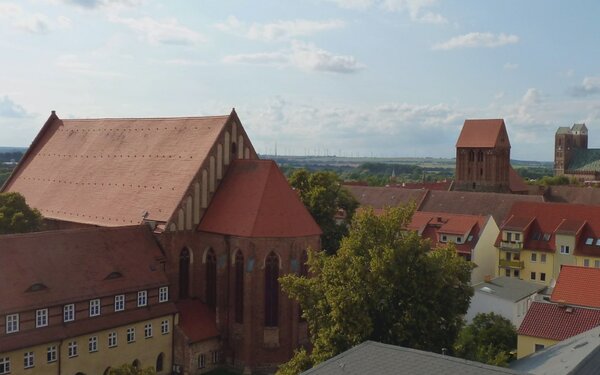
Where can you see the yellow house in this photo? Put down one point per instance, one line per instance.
(81, 301)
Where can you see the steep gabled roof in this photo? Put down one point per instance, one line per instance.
(578, 286)
(485, 133)
(554, 322)
(255, 200)
(113, 172)
(197, 320)
(515, 182)
(55, 267)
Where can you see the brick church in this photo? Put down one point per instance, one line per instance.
(572, 157)
(227, 224)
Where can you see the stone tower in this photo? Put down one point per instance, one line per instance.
(566, 142)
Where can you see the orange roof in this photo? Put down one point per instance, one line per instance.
(74, 264)
(110, 172)
(578, 286)
(255, 200)
(483, 133)
(197, 320)
(554, 322)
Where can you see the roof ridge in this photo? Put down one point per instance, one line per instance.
(144, 118)
(71, 230)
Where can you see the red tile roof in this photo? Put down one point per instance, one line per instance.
(197, 320)
(381, 197)
(73, 265)
(515, 182)
(110, 172)
(578, 286)
(255, 200)
(485, 133)
(554, 322)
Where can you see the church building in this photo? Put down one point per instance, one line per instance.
(572, 157)
(227, 223)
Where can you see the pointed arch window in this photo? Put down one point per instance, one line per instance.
(239, 287)
(211, 278)
(471, 155)
(160, 362)
(480, 156)
(184, 273)
(271, 290)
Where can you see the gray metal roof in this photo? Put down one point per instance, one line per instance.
(563, 130)
(578, 355)
(579, 127)
(375, 358)
(508, 288)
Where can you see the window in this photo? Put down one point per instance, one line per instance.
(211, 278)
(148, 330)
(69, 313)
(517, 237)
(112, 339)
(4, 365)
(72, 349)
(271, 290)
(184, 273)
(159, 362)
(164, 327)
(586, 262)
(93, 344)
(163, 294)
(546, 237)
(214, 357)
(202, 361)
(142, 299)
(51, 354)
(516, 273)
(95, 307)
(458, 239)
(12, 323)
(597, 263)
(508, 236)
(533, 276)
(564, 249)
(542, 276)
(507, 272)
(41, 318)
(28, 360)
(534, 257)
(120, 302)
(538, 347)
(543, 258)
(444, 238)
(239, 287)
(598, 241)
(589, 241)
(130, 335)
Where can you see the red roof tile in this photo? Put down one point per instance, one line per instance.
(197, 320)
(381, 197)
(110, 172)
(551, 321)
(515, 182)
(485, 133)
(74, 264)
(255, 200)
(578, 286)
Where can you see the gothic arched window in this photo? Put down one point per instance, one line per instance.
(211, 278)
(239, 287)
(271, 290)
(184, 273)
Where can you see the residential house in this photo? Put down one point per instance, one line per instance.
(577, 286)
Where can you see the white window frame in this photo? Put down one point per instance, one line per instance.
(565, 249)
(72, 349)
(41, 318)
(148, 330)
(163, 294)
(93, 344)
(164, 327)
(542, 258)
(597, 263)
(202, 361)
(586, 262)
(130, 335)
(533, 257)
(51, 354)
(112, 340)
(142, 298)
(69, 312)
(120, 302)
(28, 360)
(4, 365)
(214, 357)
(95, 307)
(12, 323)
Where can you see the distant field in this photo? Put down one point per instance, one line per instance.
(12, 149)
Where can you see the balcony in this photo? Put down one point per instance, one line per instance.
(519, 264)
(506, 245)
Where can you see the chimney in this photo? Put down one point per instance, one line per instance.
(487, 278)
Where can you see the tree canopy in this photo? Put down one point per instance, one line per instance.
(384, 284)
(16, 216)
(128, 369)
(323, 195)
(490, 339)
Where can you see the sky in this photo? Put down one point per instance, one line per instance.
(383, 78)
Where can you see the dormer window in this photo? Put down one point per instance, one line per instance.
(41, 318)
(564, 249)
(589, 241)
(142, 299)
(69, 312)
(163, 294)
(94, 307)
(517, 237)
(444, 238)
(12, 323)
(458, 239)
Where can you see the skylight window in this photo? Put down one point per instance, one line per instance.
(546, 236)
(589, 241)
(470, 238)
(537, 236)
(598, 242)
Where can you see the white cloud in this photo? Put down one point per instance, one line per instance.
(510, 66)
(303, 56)
(10, 109)
(278, 30)
(474, 40)
(589, 86)
(417, 10)
(168, 31)
(97, 4)
(34, 23)
(354, 4)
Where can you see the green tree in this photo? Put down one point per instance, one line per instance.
(383, 284)
(127, 369)
(323, 195)
(16, 216)
(490, 339)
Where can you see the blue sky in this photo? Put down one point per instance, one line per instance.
(350, 77)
